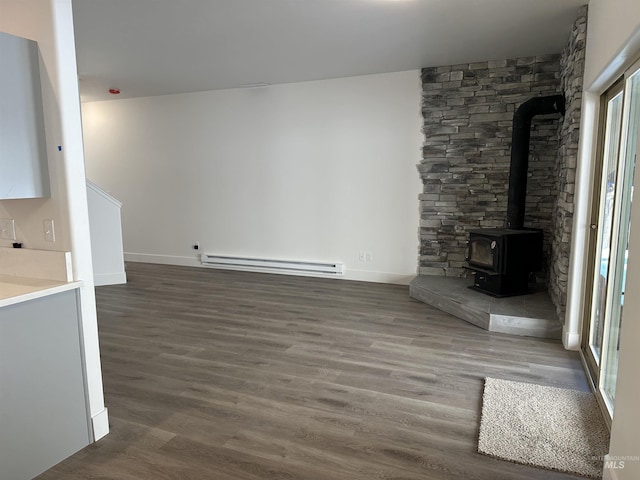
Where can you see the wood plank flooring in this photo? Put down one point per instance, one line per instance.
(213, 374)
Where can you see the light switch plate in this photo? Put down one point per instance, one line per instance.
(49, 231)
(7, 229)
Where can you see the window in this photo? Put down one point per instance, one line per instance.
(610, 222)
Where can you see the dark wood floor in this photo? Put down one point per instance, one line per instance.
(231, 375)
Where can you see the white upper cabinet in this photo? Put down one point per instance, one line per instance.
(24, 171)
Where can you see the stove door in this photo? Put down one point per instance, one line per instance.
(483, 253)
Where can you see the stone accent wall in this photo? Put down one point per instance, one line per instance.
(468, 111)
(572, 72)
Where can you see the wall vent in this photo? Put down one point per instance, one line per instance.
(271, 265)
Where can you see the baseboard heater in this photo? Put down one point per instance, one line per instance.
(264, 264)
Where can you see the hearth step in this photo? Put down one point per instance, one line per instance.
(530, 315)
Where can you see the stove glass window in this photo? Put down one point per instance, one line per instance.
(481, 253)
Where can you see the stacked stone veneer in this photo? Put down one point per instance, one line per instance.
(468, 111)
(571, 75)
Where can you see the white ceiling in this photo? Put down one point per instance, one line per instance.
(158, 47)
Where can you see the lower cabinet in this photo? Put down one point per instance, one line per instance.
(43, 403)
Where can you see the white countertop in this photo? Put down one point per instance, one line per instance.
(14, 289)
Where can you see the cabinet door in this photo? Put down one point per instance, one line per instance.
(24, 171)
(43, 409)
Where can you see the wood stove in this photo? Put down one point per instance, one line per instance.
(502, 259)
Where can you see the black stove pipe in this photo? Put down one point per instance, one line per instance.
(520, 153)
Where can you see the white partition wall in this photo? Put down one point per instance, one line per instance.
(106, 237)
(50, 23)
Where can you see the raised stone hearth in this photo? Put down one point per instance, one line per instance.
(530, 315)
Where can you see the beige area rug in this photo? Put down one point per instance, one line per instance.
(545, 427)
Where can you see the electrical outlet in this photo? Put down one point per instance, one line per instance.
(7, 229)
(49, 230)
(365, 256)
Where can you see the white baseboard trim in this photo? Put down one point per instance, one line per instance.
(100, 424)
(379, 277)
(570, 340)
(358, 275)
(100, 279)
(163, 259)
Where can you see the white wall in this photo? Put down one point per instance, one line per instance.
(613, 42)
(50, 23)
(314, 171)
